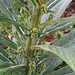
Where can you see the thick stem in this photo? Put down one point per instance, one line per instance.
(29, 42)
(34, 22)
(35, 17)
(28, 46)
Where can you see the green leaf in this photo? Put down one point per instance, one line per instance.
(33, 2)
(51, 65)
(38, 2)
(60, 8)
(5, 19)
(51, 61)
(6, 5)
(4, 55)
(5, 65)
(13, 9)
(47, 55)
(19, 2)
(62, 71)
(4, 40)
(5, 9)
(63, 20)
(56, 28)
(49, 2)
(67, 56)
(4, 52)
(12, 69)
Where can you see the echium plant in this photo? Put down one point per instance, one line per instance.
(27, 53)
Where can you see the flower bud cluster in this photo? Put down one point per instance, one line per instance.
(23, 12)
(51, 17)
(13, 56)
(15, 35)
(32, 68)
(58, 35)
(34, 32)
(41, 69)
(20, 51)
(23, 15)
(9, 50)
(16, 5)
(43, 9)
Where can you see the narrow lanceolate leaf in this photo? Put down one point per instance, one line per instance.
(54, 29)
(4, 55)
(4, 40)
(4, 18)
(38, 2)
(62, 71)
(51, 65)
(52, 3)
(5, 9)
(63, 20)
(33, 2)
(51, 61)
(4, 52)
(57, 27)
(67, 56)
(12, 69)
(5, 65)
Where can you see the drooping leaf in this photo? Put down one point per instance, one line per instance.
(67, 56)
(51, 65)
(51, 61)
(12, 69)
